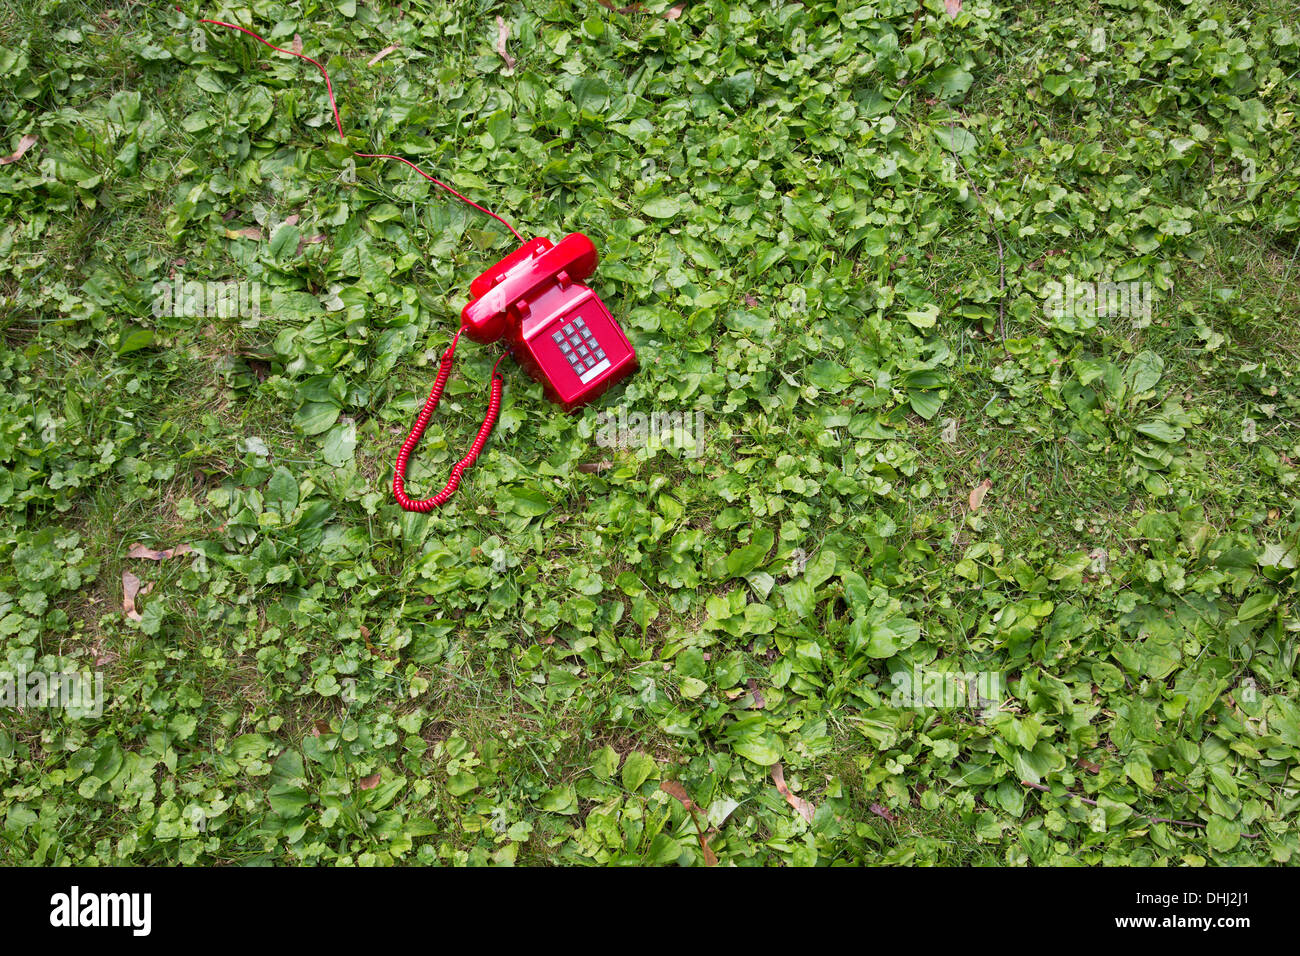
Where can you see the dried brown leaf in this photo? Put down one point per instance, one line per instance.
(710, 858)
(138, 550)
(801, 806)
(306, 241)
(677, 791)
(368, 783)
(672, 13)
(881, 810)
(757, 701)
(977, 494)
(382, 53)
(248, 232)
(503, 34)
(296, 45)
(130, 590)
(952, 6)
(24, 144)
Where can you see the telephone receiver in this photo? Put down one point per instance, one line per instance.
(557, 329)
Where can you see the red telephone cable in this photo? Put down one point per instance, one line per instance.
(444, 371)
(422, 422)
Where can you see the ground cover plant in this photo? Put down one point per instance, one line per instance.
(979, 321)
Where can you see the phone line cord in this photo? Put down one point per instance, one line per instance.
(329, 89)
(424, 505)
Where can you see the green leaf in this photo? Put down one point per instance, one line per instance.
(1222, 835)
(340, 444)
(949, 81)
(282, 492)
(637, 769)
(284, 241)
(459, 784)
(133, 339)
(746, 558)
(316, 417)
(1162, 431)
(923, 318)
(1144, 371)
(763, 750)
(661, 207)
(956, 139)
(561, 800)
(606, 763)
(528, 502)
(288, 801)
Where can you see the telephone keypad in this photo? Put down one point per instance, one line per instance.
(579, 345)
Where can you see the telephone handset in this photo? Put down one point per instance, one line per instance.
(556, 328)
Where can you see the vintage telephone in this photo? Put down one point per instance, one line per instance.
(555, 327)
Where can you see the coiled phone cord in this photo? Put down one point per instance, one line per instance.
(423, 505)
(435, 394)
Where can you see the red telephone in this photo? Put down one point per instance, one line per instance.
(555, 327)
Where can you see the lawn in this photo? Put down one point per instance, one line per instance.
(950, 519)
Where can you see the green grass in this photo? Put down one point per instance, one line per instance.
(799, 209)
